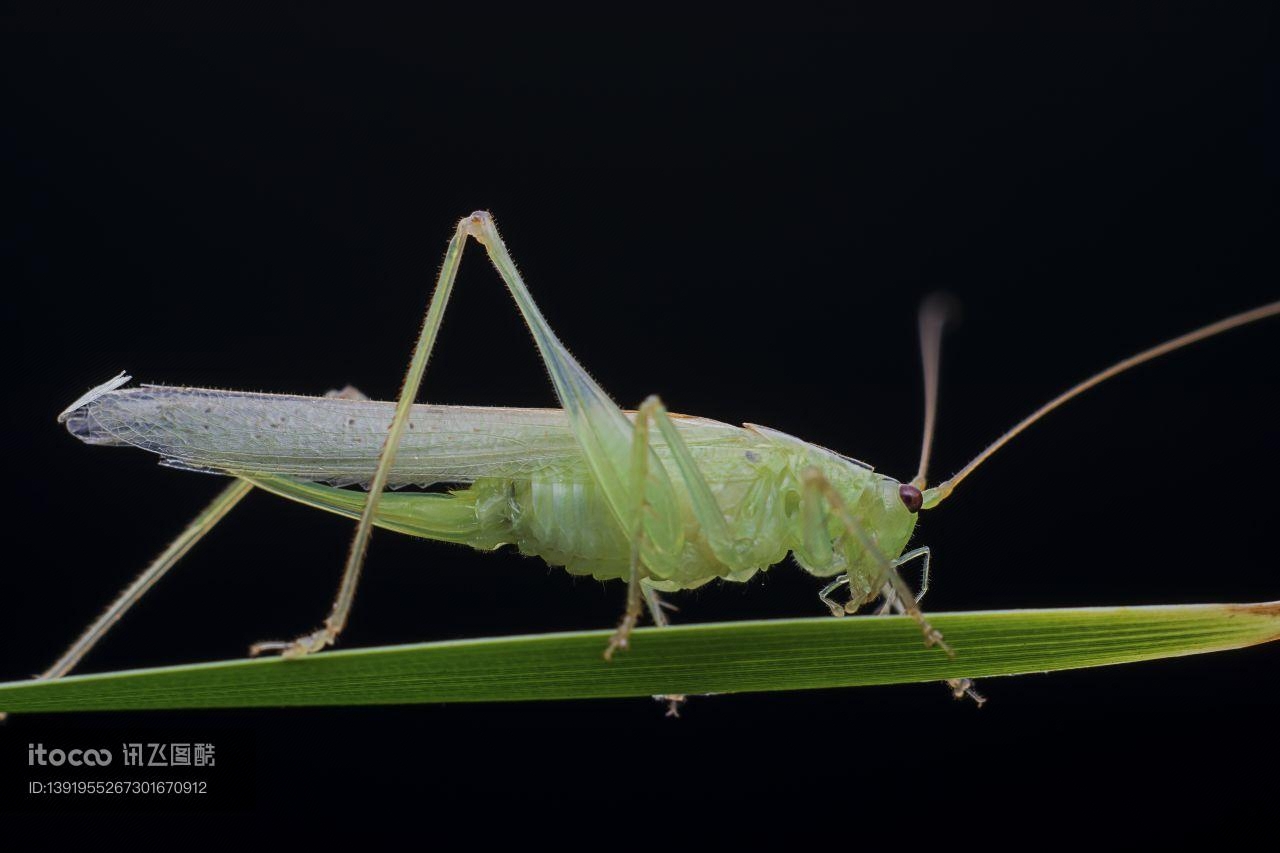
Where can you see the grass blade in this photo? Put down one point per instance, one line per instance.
(724, 657)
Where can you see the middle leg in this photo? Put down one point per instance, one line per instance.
(640, 454)
(656, 611)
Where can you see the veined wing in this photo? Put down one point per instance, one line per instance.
(337, 441)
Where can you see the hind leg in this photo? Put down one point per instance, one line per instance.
(199, 527)
(336, 621)
(150, 576)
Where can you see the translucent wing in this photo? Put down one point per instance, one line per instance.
(336, 441)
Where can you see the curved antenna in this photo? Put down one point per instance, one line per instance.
(935, 312)
(936, 495)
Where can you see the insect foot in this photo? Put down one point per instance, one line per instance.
(621, 638)
(674, 701)
(932, 636)
(962, 687)
(304, 645)
(834, 606)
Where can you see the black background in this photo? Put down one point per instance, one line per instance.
(744, 225)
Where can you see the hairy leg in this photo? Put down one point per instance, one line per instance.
(816, 490)
(640, 454)
(897, 595)
(150, 576)
(333, 625)
(603, 432)
(922, 554)
(657, 608)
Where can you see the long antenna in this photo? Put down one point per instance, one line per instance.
(936, 495)
(935, 312)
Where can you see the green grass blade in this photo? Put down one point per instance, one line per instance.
(725, 657)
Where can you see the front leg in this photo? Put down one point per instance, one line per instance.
(824, 595)
(816, 491)
(960, 687)
(897, 595)
(924, 555)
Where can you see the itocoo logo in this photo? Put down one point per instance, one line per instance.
(37, 754)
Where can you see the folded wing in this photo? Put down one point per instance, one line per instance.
(336, 441)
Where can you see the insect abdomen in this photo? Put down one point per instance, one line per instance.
(570, 525)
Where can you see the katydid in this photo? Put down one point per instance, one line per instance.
(665, 502)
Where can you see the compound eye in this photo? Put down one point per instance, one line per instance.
(911, 497)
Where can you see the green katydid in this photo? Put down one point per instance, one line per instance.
(666, 502)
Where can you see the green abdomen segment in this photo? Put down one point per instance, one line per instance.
(564, 523)
(471, 516)
(567, 524)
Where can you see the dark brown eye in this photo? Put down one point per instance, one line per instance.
(911, 497)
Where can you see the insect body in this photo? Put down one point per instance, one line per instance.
(529, 484)
(666, 502)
